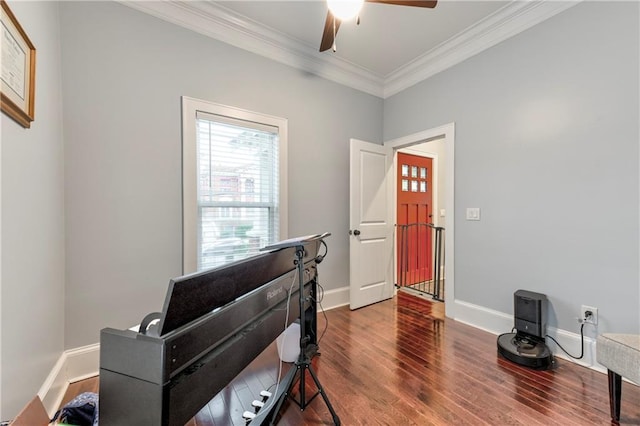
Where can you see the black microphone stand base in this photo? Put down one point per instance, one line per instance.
(298, 374)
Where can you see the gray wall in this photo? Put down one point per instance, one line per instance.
(547, 146)
(123, 75)
(32, 191)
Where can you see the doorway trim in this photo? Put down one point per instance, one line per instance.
(447, 133)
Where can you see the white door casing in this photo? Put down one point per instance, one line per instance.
(370, 223)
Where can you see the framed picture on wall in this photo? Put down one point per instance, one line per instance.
(18, 70)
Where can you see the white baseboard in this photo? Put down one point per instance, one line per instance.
(83, 362)
(54, 387)
(335, 298)
(73, 365)
(486, 319)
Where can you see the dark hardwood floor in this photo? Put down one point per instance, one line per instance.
(400, 362)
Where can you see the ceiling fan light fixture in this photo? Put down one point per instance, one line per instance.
(345, 9)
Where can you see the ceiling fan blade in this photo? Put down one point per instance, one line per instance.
(328, 34)
(415, 3)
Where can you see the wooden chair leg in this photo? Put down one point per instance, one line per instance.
(615, 388)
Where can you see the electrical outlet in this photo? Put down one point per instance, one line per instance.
(473, 213)
(589, 319)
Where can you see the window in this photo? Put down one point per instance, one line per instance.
(234, 183)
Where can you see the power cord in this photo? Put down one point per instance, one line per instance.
(286, 318)
(326, 319)
(320, 258)
(581, 340)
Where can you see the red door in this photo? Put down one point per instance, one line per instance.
(414, 213)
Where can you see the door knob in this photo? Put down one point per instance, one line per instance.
(356, 232)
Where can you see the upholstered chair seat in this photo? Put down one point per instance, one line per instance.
(620, 353)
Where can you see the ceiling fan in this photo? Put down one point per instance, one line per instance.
(342, 10)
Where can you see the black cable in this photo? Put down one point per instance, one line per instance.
(326, 319)
(326, 323)
(581, 340)
(320, 258)
(319, 287)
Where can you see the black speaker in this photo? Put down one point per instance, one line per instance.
(530, 314)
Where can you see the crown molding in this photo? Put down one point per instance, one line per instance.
(218, 22)
(505, 23)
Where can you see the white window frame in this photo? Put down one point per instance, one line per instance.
(190, 107)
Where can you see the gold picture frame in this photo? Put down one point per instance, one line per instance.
(18, 77)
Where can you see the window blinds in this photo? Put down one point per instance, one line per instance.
(237, 194)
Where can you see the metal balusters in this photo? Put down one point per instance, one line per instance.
(413, 249)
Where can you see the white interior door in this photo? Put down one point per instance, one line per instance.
(370, 224)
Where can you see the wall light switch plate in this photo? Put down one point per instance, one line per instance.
(473, 213)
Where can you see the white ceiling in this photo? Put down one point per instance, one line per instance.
(388, 37)
(393, 48)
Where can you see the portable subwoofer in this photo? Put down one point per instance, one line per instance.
(527, 345)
